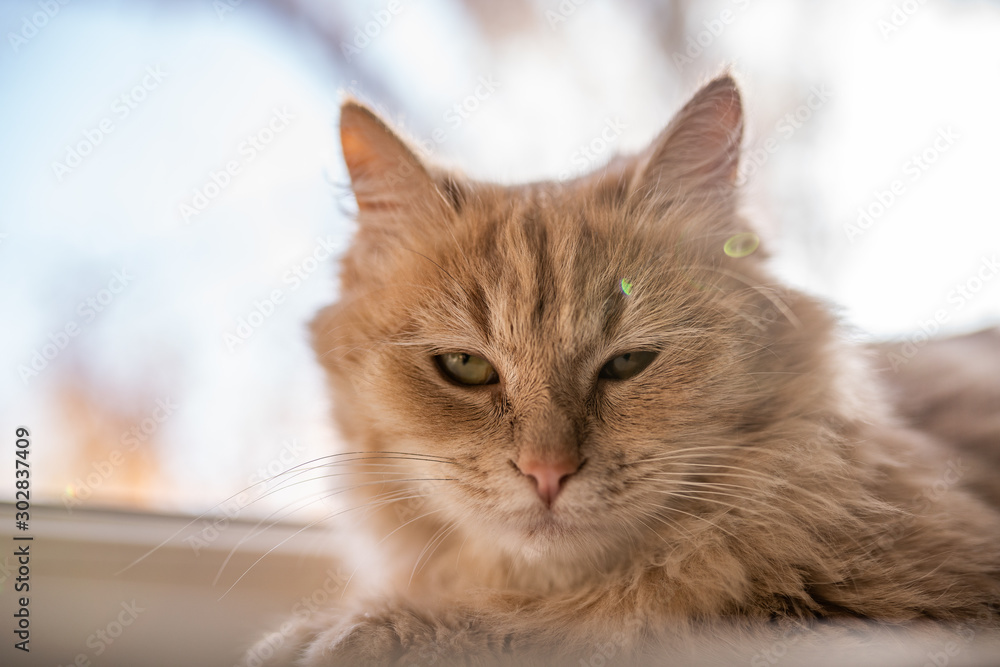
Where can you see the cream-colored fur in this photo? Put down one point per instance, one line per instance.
(752, 477)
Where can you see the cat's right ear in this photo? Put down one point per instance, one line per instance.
(386, 175)
(699, 150)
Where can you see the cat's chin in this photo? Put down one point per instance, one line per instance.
(538, 542)
(544, 534)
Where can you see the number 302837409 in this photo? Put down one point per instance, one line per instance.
(22, 478)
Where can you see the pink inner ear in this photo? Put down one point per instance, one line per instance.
(385, 173)
(362, 163)
(357, 152)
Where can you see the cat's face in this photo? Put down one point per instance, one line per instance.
(568, 361)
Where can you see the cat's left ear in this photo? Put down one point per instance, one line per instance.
(699, 150)
(386, 175)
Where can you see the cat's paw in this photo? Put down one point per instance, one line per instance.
(388, 637)
(412, 638)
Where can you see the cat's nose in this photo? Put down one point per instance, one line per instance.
(549, 476)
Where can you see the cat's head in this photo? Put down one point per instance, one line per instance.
(566, 360)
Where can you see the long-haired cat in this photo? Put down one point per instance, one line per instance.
(586, 421)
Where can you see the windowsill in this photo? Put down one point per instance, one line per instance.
(78, 585)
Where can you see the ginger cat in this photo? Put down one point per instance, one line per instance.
(586, 421)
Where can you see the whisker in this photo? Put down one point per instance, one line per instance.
(663, 539)
(761, 501)
(384, 480)
(671, 523)
(701, 518)
(407, 523)
(757, 475)
(694, 496)
(437, 539)
(303, 528)
(459, 555)
(699, 449)
(671, 474)
(324, 496)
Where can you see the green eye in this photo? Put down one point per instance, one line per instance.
(627, 365)
(467, 368)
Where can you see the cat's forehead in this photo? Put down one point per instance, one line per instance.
(529, 240)
(543, 228)
(541, 266)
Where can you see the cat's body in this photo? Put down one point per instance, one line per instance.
(753, 468)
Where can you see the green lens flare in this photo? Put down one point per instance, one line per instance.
(741, 245)
(626, 287)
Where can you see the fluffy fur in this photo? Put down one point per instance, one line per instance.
(755, 474)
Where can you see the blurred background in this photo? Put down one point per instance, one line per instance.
(173, 200)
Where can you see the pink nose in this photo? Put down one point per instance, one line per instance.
(549, 476)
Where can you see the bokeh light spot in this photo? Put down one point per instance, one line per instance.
(741, 245)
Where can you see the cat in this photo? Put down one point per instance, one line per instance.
(585, 420)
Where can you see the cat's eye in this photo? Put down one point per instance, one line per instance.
(467, 368)
(627, 365)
